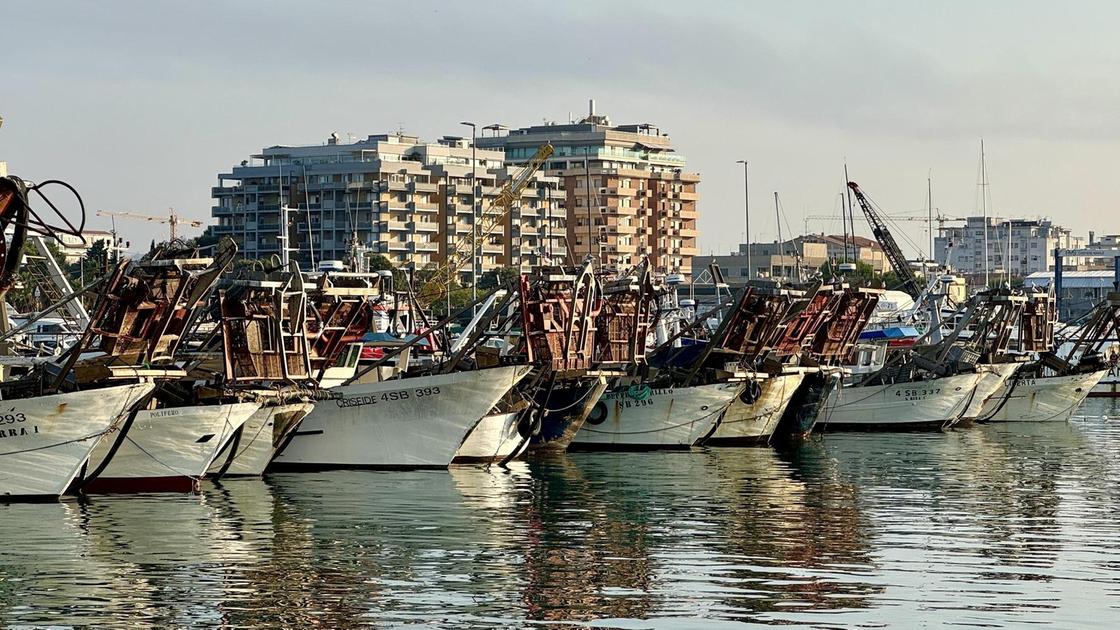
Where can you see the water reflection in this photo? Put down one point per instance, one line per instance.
(980, 526)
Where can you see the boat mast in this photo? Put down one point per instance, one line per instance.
(781, 245)
(984, 207)
(850, 217)
(929, 209)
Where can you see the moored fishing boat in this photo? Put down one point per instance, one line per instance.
(495, 438)
(563, 409)
(993, 377)
(262, 435)
(819, 337)
(1109, 386)
(934, 403)
(716, 371)
(803, 410)
(559, 309)
(752, 417)
(165, 450)
(1041, 398)
(1054, 387)
(639, 417)
(46, 440)
(417, 422)
(941, 379)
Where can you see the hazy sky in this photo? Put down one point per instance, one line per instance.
(141, 104)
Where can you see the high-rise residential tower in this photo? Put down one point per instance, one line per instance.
(389, 194)
(626, 191)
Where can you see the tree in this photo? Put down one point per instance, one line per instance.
(863, 276)
(500, 277)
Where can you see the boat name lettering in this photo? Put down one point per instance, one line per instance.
(625, 395)
(1027, 381)
(628, 403)
(12, 432)
(373, 399)
(917, 394)
(163, 413)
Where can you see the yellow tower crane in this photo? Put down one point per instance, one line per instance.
(466, 249)
(172, 219)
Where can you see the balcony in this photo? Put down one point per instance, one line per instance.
(424, 226)
(422, 207)
(423, 187)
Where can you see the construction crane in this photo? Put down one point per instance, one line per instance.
(890, 248)
(172, 219)
(466, 249)
(939, 219)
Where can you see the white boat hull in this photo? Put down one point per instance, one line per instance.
(668, 418)
(263, 434)
(405, 423)
(493, 439)
(993, 377)
(931, 404)
(44, 441)
(749, 423)
(1045, 399)
(167, 450)
(1109, 386)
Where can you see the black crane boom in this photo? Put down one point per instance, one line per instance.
(890, 248)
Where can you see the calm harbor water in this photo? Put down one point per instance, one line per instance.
(999, 526)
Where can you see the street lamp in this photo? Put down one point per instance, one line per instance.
(474, 214)
(747, 215)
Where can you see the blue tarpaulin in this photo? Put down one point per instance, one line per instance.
(894, 332)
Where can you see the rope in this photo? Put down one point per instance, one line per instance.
(951, 421)
(675, 426)
(73, 441)
(157, 460)
(1006, 397)
(57, 444)
(253, 440)
(580, 400)
(229, 458)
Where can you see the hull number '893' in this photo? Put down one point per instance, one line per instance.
(373, 399)
(917, 394)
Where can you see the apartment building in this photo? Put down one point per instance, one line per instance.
(388, 194)
(1021, 246)
(858, 248)
(626, 191)
(788, 260)
(73, 247)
